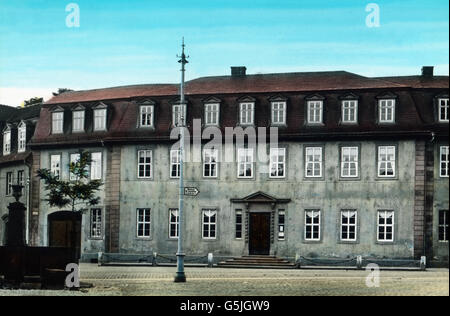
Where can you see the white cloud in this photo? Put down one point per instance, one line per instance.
(15, 96)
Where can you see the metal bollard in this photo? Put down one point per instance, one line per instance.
(423, 263)
(155, 255)
(359, 262)
(100, 259)
(298, 261)
(210, 260)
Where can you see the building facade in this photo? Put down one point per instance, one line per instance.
(17, 126)
(360, 167)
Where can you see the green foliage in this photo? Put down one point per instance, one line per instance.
(76, 192)
(32, 101)
(61, 91)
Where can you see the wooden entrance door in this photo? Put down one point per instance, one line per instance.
(65, 230)
(259, 237)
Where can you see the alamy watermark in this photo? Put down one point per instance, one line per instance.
(373, 18)
(373, 279)
(73, 18)
(73, 278)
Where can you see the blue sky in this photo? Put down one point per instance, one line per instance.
(132, 42)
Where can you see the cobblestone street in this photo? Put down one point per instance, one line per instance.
(158, 281)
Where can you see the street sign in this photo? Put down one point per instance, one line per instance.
(191, 191)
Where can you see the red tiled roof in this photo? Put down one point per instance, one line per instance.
(418, 82)
(284, 82)
(115, 93)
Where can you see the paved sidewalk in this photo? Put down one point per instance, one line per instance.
(158, 281)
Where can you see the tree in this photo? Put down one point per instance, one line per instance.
(61, 91)
(78, 191)
(32, 101)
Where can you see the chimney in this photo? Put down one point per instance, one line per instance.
(427, 71)
(238, 71)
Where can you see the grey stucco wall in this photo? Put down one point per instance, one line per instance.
(88, 245)
(330, 195)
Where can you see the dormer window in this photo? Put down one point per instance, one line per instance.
(22, 137)
(247, 113)
(147, 114)
(7, 142)
(57, 122)
(212, 111)
(350, 111)
(78, 121)
(443, 110)
(386, 110)
(315, 112)
(179, 115)
(278, 112)
(100, 115)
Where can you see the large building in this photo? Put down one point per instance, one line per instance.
(17, 126)
(360, 168)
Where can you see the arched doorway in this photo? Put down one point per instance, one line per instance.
(65, 230)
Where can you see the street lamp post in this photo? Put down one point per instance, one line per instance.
(180, 276)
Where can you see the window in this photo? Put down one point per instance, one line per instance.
(22, 138)
(7, 143)
(74, 159)
(349, 162)
(174, 223)
(210, 160)
(245, 163)
(175, 164)
(349, 220)
(247, 113)
(281, 224)
(350, 111)
(57, 122)
(313, 166)
(444, 153)
(9, 182)
(386, 161)
(278, 113)
(387, 111)
(312, 225)
(96, 166)
(443, 110)
(385, 226)
(145, 164)
(315, 112)
(143, 223)
(209, 224)
(96, 223)
(55, 165)
(238, 224)
(78, 121)
(146, 114)
(21, 177)
(443, 226)
(179, 115)
(212, 114)
(100, 120)
(277, 162)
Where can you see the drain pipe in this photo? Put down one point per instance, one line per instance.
(28, 203)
